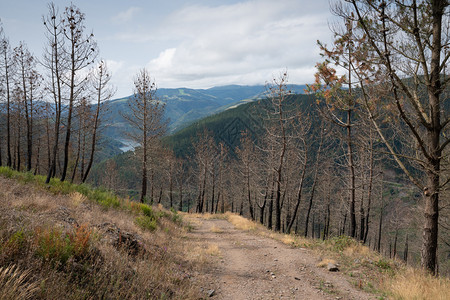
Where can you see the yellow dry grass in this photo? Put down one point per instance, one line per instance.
(14, 284)
(205, 216)
(293, 240)
(240, 222)
(212, 249)
(77, 198)
(415, 284)
(324, 262)
(215, 229)
(357, 249)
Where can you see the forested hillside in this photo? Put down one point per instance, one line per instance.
(182, 107)
(364, 153)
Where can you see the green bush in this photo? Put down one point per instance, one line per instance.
(13, 245)
(176, 217)
(147, 223)
(28, 177)
(53, 246)
(383, 264)
(58, 247)
(339, 243)
(162, 214)
(147, 210)
(7, 172)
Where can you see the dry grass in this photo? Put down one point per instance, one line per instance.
(77, 198)
(216, 229)
(356, 249)
(240, 222)
(417, 285)
(213, 249)
(200, 254)
(14, 284)
(205, 216)
(324, 262)
(72, 261)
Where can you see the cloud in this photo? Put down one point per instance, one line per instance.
(122, 75)
(242, 43)
(127, 15)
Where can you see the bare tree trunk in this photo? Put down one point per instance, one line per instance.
(6, 49)
(213, 189)
(171, 191)
(144, 178)
(394, 253)
(180, 205)
(54, 64)
(312, 227)
(270, 212)
(75, 167)
(299, 194)
(352, 176)
(250, 205)
(380, 223)
(327, 226)
(369, 192)
(405, 252)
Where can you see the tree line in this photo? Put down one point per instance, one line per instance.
(52, 105)
(382, 93)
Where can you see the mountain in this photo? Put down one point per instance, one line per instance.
(227, 125)
(183, 106)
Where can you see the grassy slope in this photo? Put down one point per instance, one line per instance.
(64, 241)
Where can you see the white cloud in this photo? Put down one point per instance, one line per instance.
(127, 15)
(122, 76)
(164, 60)
(243, 43)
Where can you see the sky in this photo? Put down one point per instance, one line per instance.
(191, 43)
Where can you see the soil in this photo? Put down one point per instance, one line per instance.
(250, 266)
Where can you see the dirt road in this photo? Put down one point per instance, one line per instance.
(250, 266)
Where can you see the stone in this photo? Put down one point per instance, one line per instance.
(332, 267)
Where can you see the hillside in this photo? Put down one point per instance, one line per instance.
(183, 106)
(228, 125)
(63, 241)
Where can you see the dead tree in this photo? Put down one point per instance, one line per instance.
(147, 119)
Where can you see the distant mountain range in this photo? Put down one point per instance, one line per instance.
(184, 106)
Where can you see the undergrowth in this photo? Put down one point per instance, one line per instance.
(49, 258)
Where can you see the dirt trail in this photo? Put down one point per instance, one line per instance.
(255, 267)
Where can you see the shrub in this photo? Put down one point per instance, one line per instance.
(28, 177)
(339, 243)
(7, 172)
(146, 222)
(383, 264)
(53, 246)
(57, 247)
(80, 240)
(13, 245)
(176, 217)
(147, 210)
